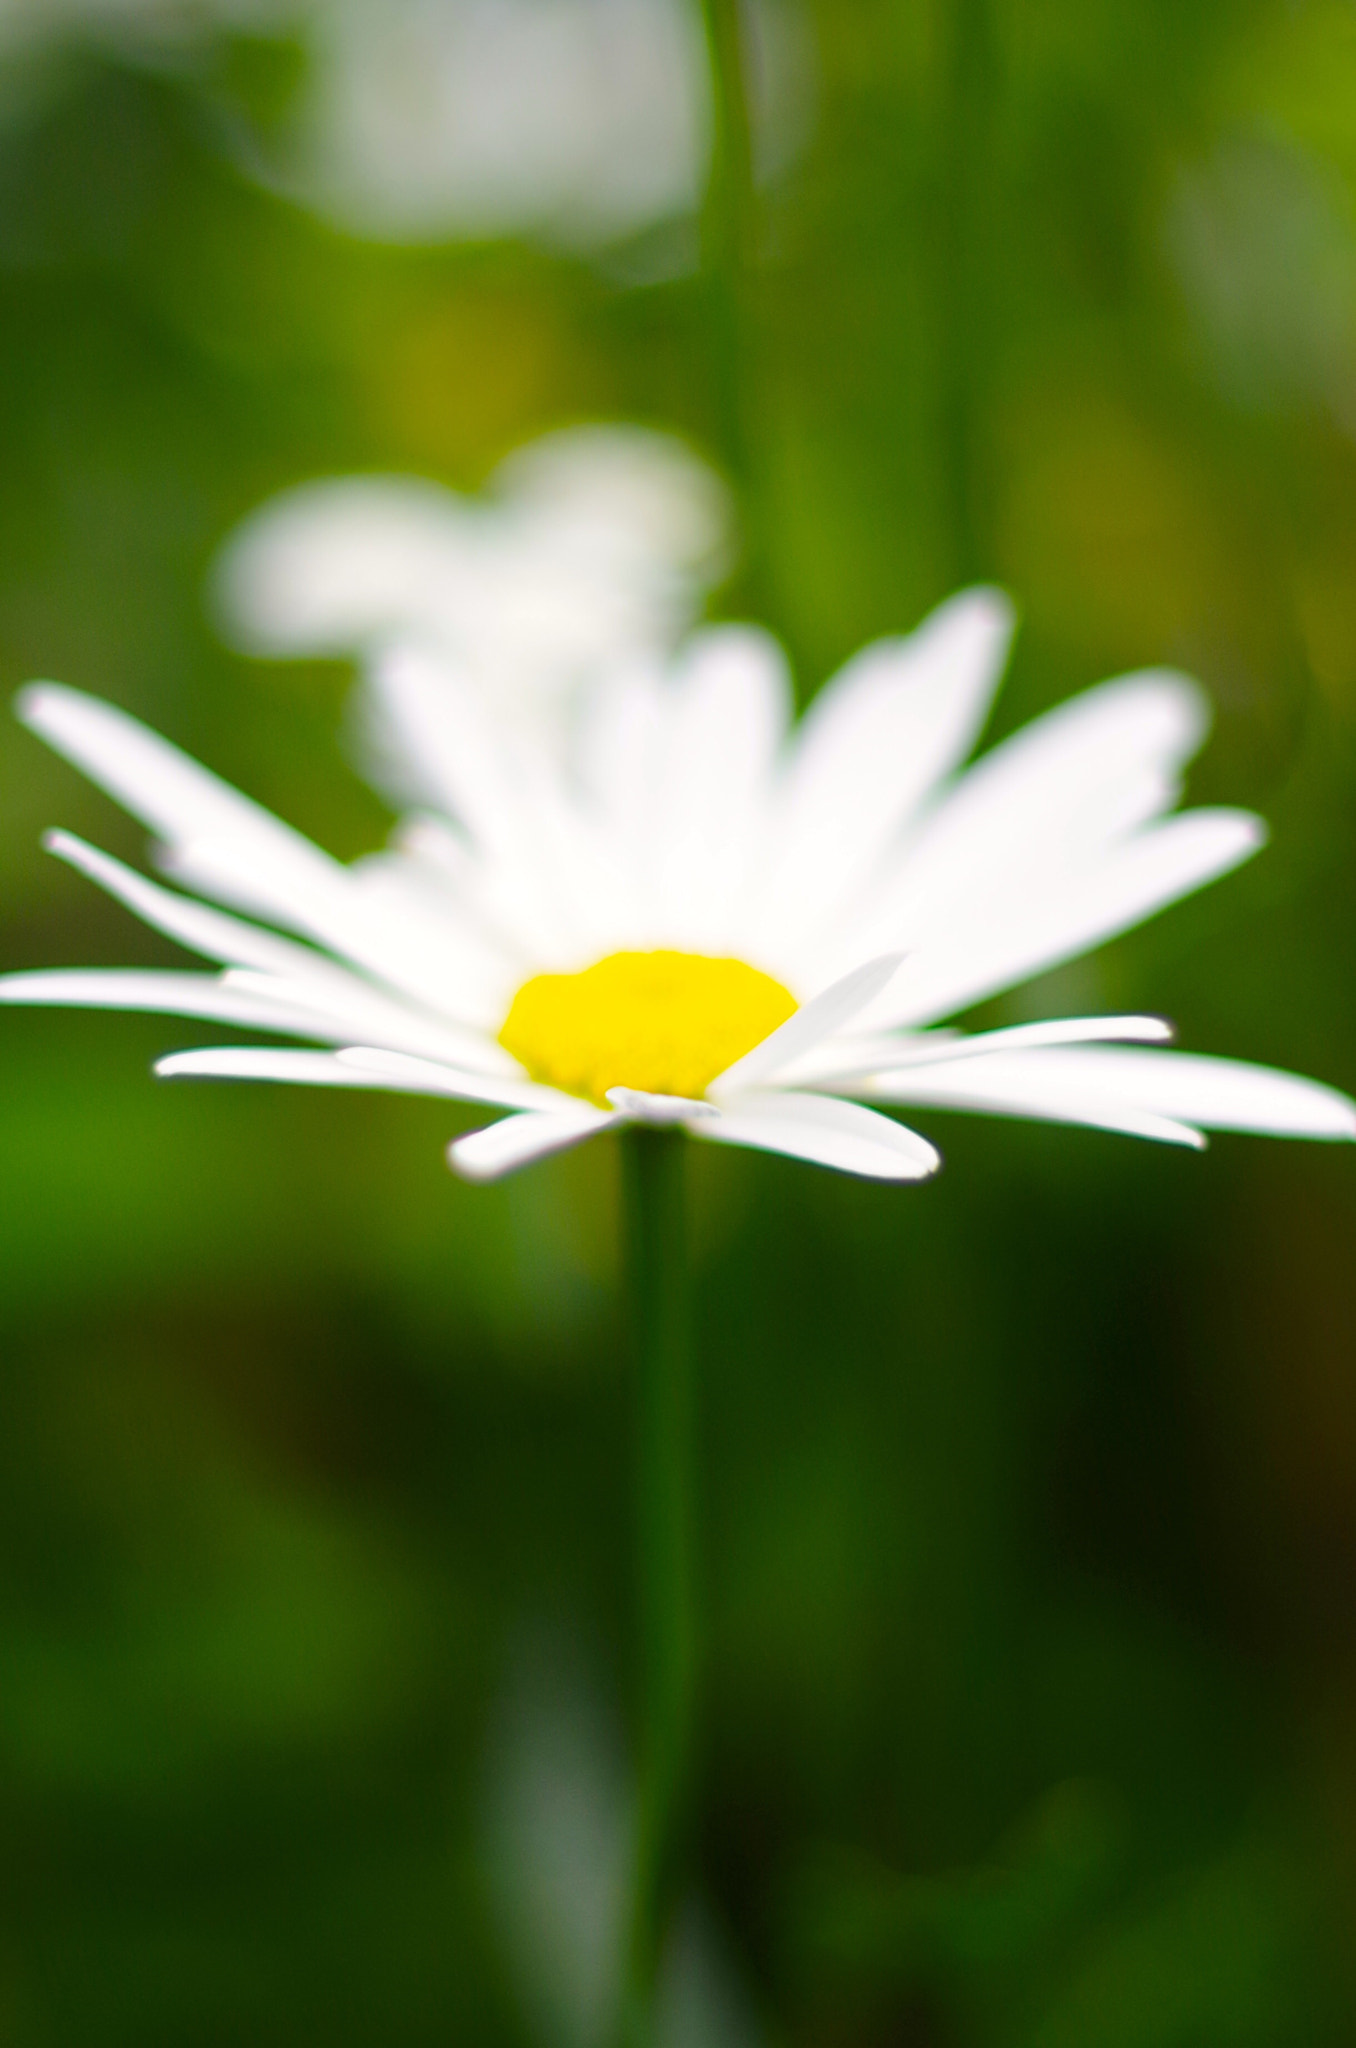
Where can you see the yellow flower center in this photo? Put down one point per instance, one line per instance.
(664, 1022)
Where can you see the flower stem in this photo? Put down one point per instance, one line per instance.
(656, 1258)
(728, 227)
(965, 260)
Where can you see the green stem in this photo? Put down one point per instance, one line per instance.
(656, 1257)
(728, 227)
(965, 253)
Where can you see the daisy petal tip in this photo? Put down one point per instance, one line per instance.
(48, 709)
(1332, 1117)
(825, 1131)
(205, 1063)
(522, 1137)
(33, 699)
(927, 1162)
(985, 607)
(467, 1163)
(897, 1172)
(996, 606)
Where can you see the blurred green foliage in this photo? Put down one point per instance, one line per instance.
(1031, 1494)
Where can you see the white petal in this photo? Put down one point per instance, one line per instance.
(397, 935)
(886, 1052)
(426, 711)
(1059, 1031)
(206, 931)
(1130, 884)
(179, 800)
(1121, 1089)
(517, 1140)
(1036, 816)
(872, 747)
(433, 946)
(228, 847)
(726, 715)
(975, 1087)
(262, 1063)
(824, 1131)
(623, 728)
(354, 1067)
(1026, 790)
(344, 1007)
(812, 1022)
(171, 995)
(732, 702)
(433, 1077)
(542, 881)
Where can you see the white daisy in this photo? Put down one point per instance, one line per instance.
(714, 920)
(591, 545)
(577, 123)
(580, 123)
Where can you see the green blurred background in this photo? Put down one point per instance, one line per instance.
(1030, 1495)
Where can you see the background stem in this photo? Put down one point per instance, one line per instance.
(964, 283)
(728, 230)
(656, 1258)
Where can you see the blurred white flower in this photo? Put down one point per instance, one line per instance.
(715, 922)
(592, 545)
(558, 1839)
(558, 1829)
(581, 122)
(578, 121)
